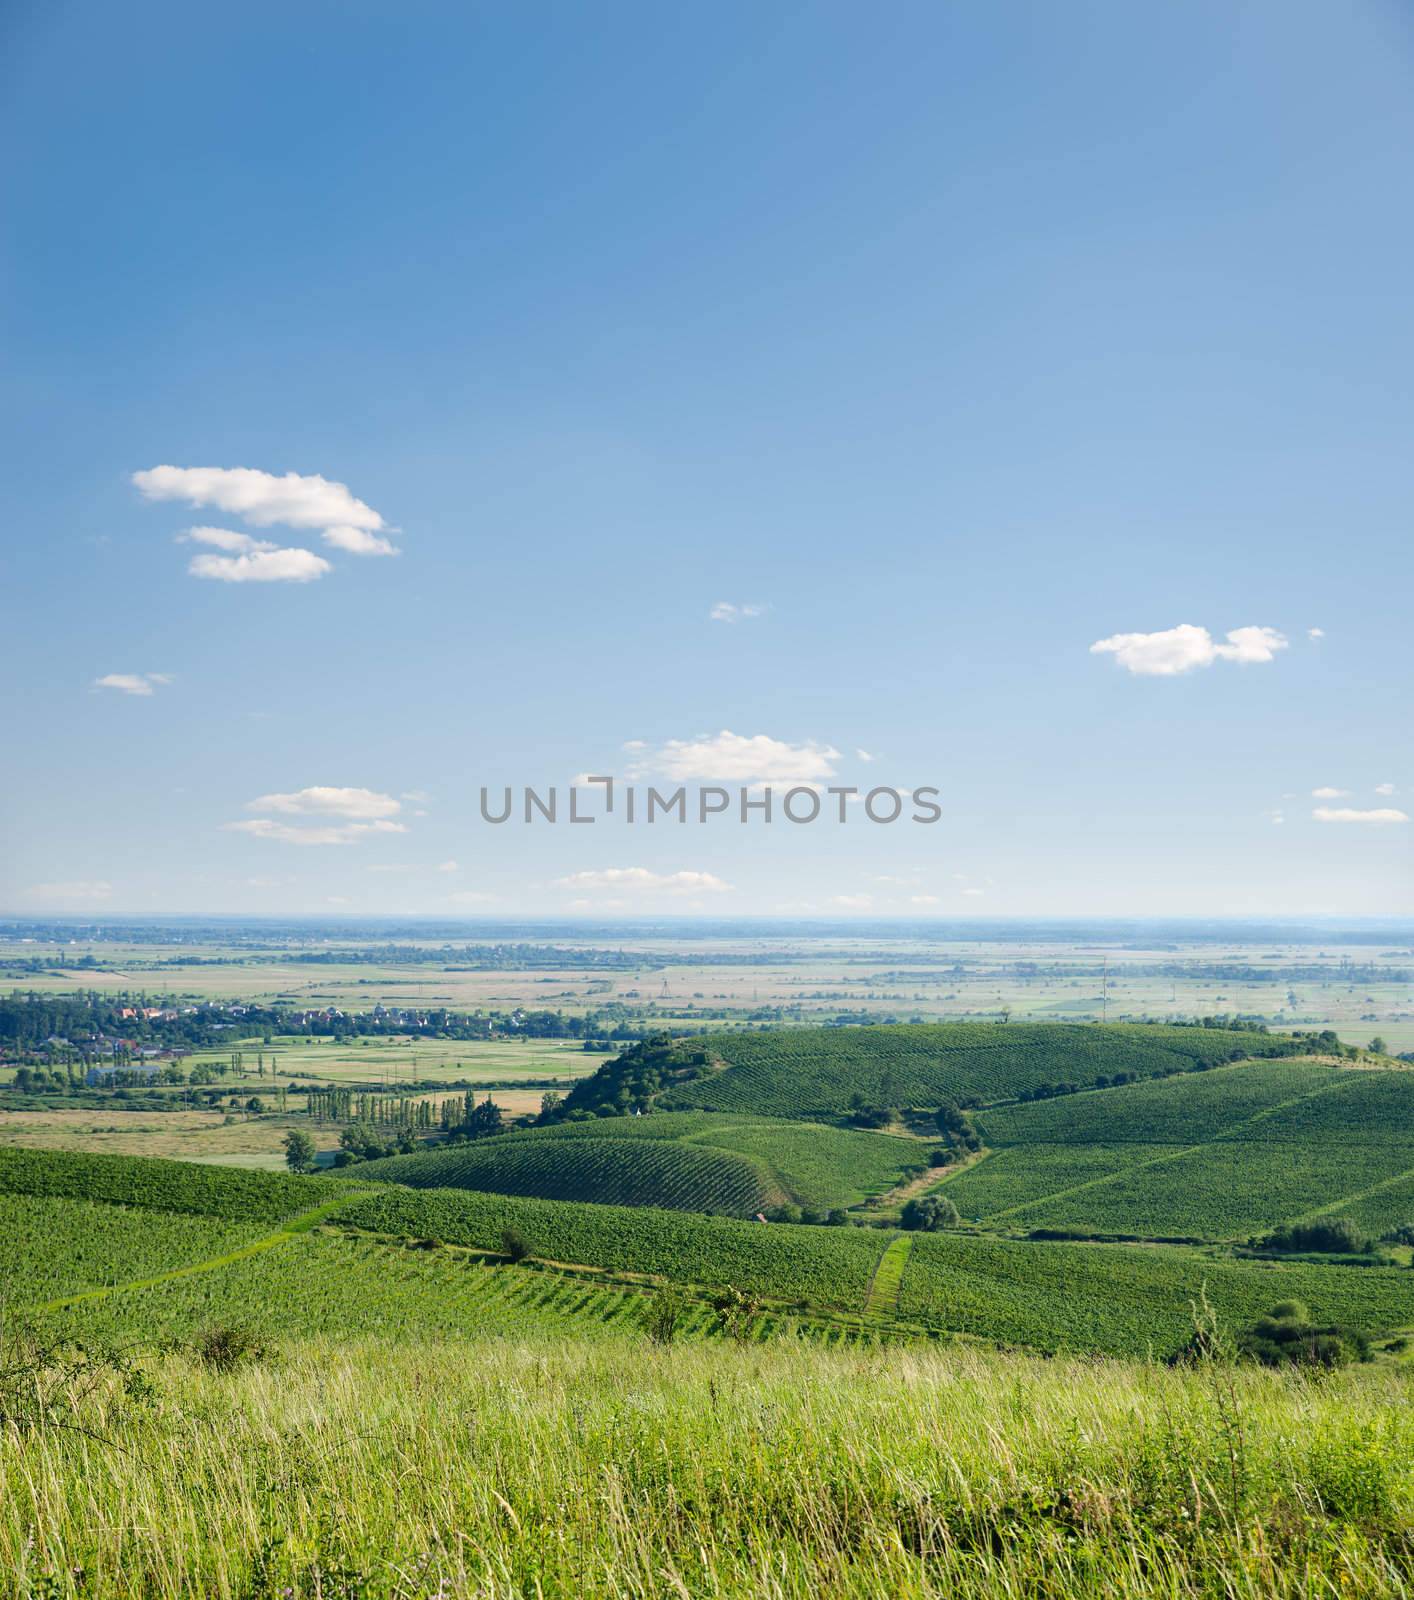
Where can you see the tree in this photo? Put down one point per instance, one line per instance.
(255, 1106)
(514, 1244)
(299, 1150)
(1378, 1047)
(1323, 1236)
(928, 1214)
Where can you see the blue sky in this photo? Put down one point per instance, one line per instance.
(957, 339)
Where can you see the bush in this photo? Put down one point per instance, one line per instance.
(1331, 1236)
(1286, 1336)
(514, 1244)
(225, 1347)
(929, 1214)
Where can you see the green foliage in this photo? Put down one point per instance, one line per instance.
(1219, 1155)
(822, 1266)
(51, 1248)
(236, 1193)
(819, 1072)
(1124, 1299)
(1323, 1235)
(631, 1172)
(928, 1213)
(299, 1150)
(1286, 1336)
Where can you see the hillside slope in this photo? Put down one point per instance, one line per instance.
(822, 1073)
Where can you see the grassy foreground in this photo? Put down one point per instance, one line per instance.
(560, 1468)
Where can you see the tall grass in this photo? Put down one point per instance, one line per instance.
(547, 1468)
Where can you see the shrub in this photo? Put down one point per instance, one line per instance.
(227, 1346)
(1330, 1236)
(514, 1244)
(929, 1214)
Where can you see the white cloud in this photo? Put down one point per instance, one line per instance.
(470, 897)
(336, 900)
(448, 866)
(418, 797)
(1346, 814)
(974, 891)
(727, 611)
(640, 878)
(635, 744)
(287, 565)
(1327, 793)
(1384, 788)
(1175, 650)
(227, 539)
(852, 902)
(361, 805)
(1276, 818)
(358, 813)
(132, 682)
(1315, 633)
(732, 757)
(923, 900)
(864, 755)
(260, 498)
(85, 889)
(359, 542)
(287, 833)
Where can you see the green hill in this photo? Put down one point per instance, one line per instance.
(626, 1172)
(687, 1161)
(822, 1073)
(1230, 1153)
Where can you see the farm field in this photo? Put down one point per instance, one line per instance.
(1221, 1155)
(692, 1161)
(819, 1072)
(625, 1172)
(214, 1136)
(53, 1247)
(1125, 1299)
(1048, 978)
(402, 1061)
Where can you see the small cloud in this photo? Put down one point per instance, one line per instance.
(1384, 788)
(640, 878)
(727, 611)
(416, 797)
(142, 683)
(261, 566)
(1172, 651)
(864, 755)
(974, 892)
(287, 833)
(1327, 793)
(1315, 633)
(336, 900)
(261, 498)
(737, 758)
(359, 542)
(1346, 814)
(448, 866)
(325, 801)
(923, 900)
(227, 539)
(635, 744)
(470, 897)
(852, 902)
(1276, 818)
